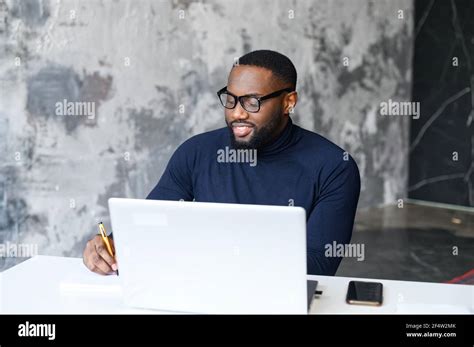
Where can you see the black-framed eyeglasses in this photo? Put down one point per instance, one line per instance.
(250, 103)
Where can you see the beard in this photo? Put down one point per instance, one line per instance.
(260, 137)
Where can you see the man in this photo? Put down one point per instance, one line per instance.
(292, 166)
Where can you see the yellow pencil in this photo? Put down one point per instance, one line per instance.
(105, 239)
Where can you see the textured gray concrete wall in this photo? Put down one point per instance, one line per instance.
(151, 70)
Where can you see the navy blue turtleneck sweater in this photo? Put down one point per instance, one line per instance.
(299, 168)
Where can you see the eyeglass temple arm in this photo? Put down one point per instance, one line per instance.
(278, 92)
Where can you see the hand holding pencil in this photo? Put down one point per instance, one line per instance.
(99, 254)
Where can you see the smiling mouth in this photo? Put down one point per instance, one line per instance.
(242, 129)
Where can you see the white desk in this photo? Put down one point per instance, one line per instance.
(58, 285)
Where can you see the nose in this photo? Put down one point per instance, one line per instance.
(239, 113)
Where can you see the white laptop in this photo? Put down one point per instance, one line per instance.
(211, 258)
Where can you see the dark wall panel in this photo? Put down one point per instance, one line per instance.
(441, 151)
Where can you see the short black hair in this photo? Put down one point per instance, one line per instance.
(279, 64)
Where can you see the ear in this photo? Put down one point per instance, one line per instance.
(290, 102)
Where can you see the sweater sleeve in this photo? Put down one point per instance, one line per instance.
(332, 217)
(176, 181)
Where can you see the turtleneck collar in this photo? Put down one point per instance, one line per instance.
(280, 143)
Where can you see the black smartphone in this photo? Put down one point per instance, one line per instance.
(365, 293)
